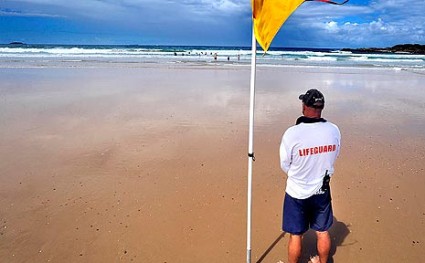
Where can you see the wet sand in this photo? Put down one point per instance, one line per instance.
(149, 164)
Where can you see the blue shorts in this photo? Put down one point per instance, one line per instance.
(314, 212)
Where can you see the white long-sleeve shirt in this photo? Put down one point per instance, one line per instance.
(307, 151)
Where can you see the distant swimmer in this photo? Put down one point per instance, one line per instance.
(215, 56)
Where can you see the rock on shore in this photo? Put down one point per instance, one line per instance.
(405, 48)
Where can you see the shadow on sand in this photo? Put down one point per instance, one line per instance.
(270, 248)
(338, 232)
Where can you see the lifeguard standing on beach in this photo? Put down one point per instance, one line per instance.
(268, 17)
(307, 154)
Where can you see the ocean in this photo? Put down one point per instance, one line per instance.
(18, 55)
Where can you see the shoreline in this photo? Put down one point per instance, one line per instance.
(140, 56)
(42, 63)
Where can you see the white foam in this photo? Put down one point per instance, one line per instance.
(322, 58)
(198, 55)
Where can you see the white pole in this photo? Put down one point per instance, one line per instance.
(251, 157)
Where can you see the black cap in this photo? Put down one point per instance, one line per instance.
(313, 98)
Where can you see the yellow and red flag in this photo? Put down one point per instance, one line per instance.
(269, 16)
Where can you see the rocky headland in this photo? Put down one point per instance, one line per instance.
(397, 49)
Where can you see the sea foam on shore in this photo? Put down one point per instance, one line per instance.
(67, 56)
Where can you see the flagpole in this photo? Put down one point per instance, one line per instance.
(251, 157)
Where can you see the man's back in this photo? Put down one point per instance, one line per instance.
(308, 151)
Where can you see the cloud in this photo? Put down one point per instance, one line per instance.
(60, 8)
(382, 23)
(213, 6)
(11, 12)
(99, 8)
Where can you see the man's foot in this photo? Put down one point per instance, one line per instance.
(314, 259)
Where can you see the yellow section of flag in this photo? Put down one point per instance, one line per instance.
(269, 16)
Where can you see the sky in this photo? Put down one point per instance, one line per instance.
(359, 23)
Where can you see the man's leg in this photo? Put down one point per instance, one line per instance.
(294, 248)
(323, 245)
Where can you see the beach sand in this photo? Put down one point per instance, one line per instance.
(149, 164)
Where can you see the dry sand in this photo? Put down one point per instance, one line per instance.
(149, 164)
